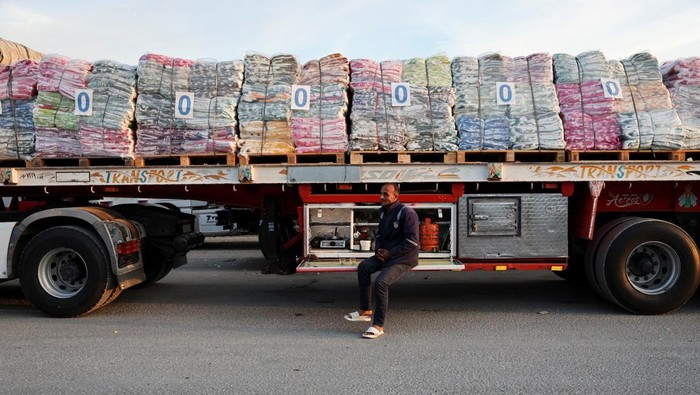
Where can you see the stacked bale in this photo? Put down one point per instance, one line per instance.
(531, 119)
(107, 132)
(323, 127)
(590, 118)
(646, 114)
(375, 123)
(264, 110)
(534, 117)
(212, 127)
(54, 113)
(430, 124)
(682, 78)
(18, 90)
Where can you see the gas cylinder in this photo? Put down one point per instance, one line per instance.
(429, 235)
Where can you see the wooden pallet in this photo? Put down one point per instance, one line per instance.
(292, 158)
(15, 163)
(511, 156)
(78, 162)
(689, 155)
(360, 157)
(186, 160)
(258, 159)
(325, 157)
(625, 155)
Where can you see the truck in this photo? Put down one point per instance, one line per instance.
(625, 222)
(210, 219)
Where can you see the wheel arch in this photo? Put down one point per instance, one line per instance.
(109, 226)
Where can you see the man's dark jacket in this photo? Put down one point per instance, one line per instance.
(398, 233)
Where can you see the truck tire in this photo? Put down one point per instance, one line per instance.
(65, 272)
(592, 251)
(648, 266)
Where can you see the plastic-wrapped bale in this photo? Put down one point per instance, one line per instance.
(465, 80)
(647, 117)
(489, 128)
(107, 132)
(682, 78)
(264, 110)
(430, 124)
(323, 127)
(374, 123)
(534, 115)
(12, 52)
(216, 89)
(17, 97)
(54, 118)
(530, 122)
(590, 118)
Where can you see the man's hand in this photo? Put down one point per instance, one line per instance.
(383, 254)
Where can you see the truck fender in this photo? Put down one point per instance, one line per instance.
(112, 228)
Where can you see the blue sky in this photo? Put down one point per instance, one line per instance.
(381, 30)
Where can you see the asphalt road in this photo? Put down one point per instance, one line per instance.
(219, 326)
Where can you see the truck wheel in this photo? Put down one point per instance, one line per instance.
(648, 266)
(65, 272)
(592, 251)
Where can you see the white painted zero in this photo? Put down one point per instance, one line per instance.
(400, 94)
(611, 88)
(184, 105)
(83, 102)
(301, 97)
(505, 93)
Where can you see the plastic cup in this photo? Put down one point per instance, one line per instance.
(365, 245)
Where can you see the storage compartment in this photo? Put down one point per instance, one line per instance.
(340, 236)
(513, 226)
(494, 216)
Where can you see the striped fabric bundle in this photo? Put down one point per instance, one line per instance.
(682, 78)
(590, 119)
(264, 110)
(107, 131)
(216, 87)
(17, 96)
(375, 123)
(54, 118)
(465, 79)
(19, 81)
(534, 119)
(489, 128)
(531, 121)
(17, 129)
(646, 115)
(323, 128)
(430, 123)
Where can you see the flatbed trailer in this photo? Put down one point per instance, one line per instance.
(628, 227)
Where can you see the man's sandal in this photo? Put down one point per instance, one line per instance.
(372, 333)
(356, 316)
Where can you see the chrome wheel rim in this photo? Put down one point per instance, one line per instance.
(653, 268)
(62, 273)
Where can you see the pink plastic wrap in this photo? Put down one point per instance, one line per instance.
(19, 81)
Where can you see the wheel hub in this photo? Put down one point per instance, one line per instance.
(653, 267)
(69, 270)
(641, 264)
(62, 273)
